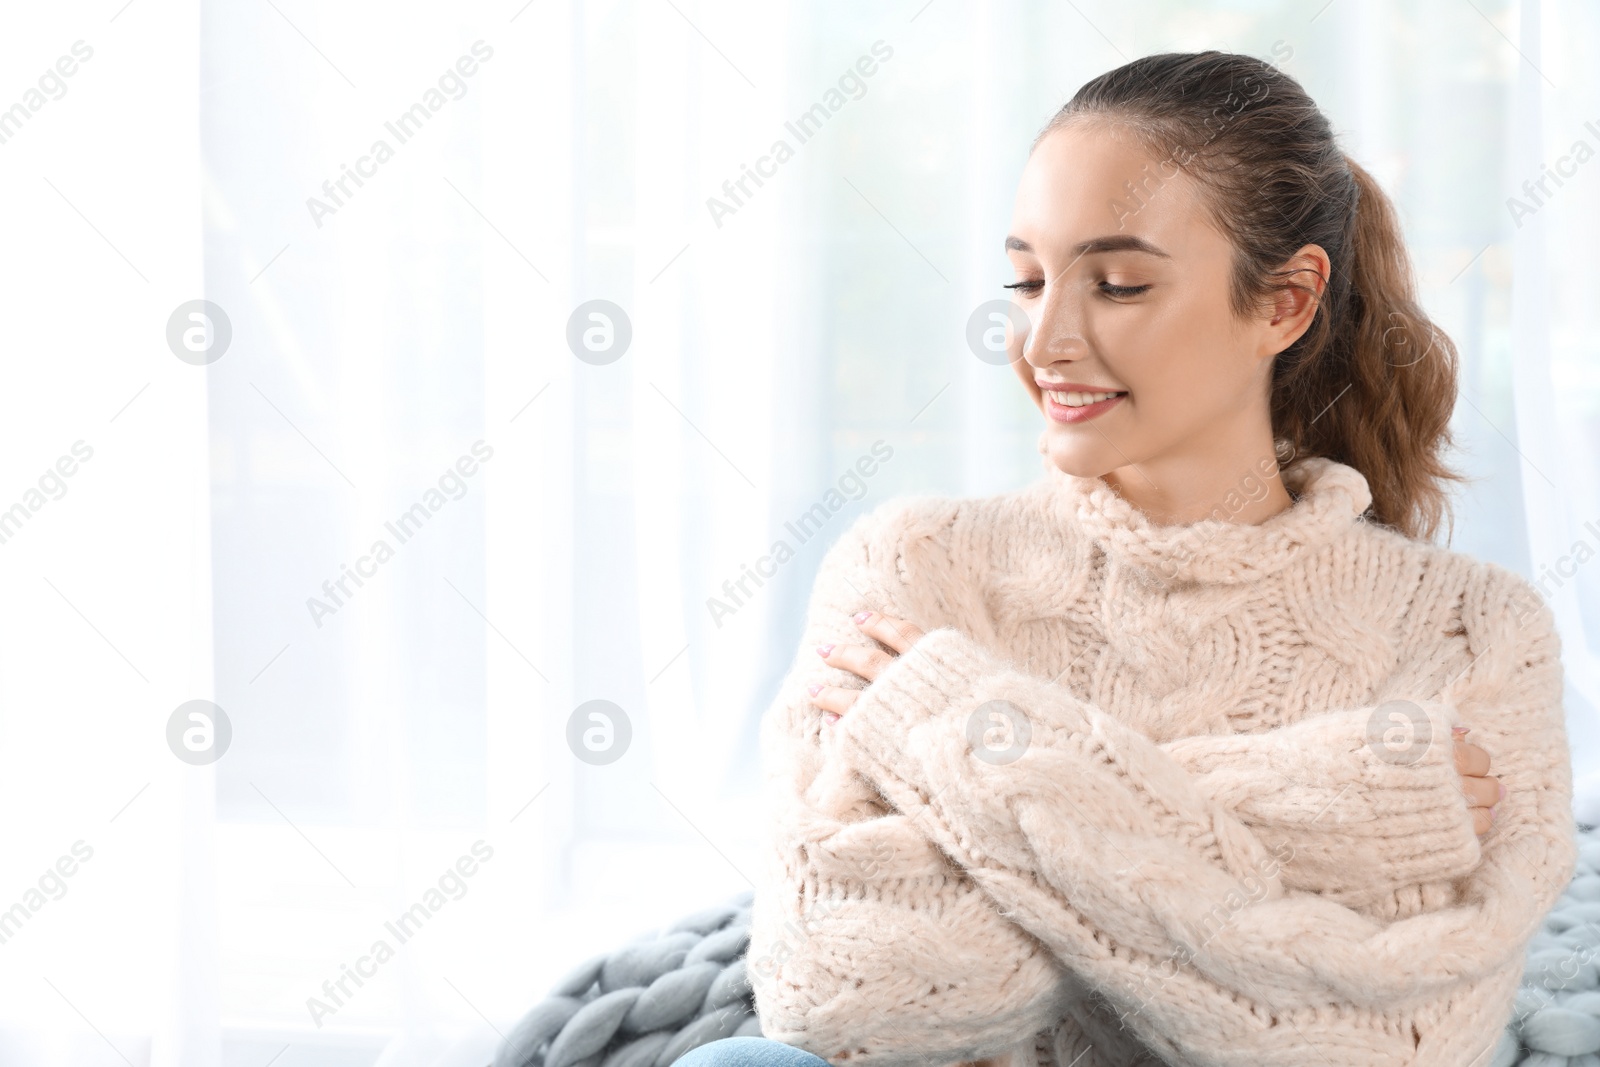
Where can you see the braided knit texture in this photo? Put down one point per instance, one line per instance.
(1159, 795)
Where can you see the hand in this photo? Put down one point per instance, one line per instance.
(1482, 791)
(867, 662)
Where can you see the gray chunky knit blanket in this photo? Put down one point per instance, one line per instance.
(664, 993)
(647, 1003)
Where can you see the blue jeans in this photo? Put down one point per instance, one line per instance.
(748, 1052)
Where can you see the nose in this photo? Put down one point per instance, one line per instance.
(1055, 329)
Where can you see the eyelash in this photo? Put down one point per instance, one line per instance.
(1105, 287)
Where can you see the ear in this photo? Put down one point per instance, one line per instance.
(1303, 281)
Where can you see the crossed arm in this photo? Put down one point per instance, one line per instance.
(1353, 825)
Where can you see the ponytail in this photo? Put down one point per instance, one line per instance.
(1376, 387)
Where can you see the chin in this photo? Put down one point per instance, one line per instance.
(1072, 458)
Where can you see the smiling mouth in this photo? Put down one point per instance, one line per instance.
(1079, 407)
(1079, 399)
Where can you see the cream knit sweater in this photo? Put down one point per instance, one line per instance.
(1140, 796)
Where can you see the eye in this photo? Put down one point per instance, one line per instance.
(1120, 291)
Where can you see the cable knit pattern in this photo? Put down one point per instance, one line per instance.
(1150, 795)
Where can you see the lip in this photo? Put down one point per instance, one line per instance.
(1061, 413)
(1071, 387)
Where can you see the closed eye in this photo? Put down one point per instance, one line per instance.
(1110, 290)
(1122, 290)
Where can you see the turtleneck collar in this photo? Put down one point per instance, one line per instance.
(1329, 497)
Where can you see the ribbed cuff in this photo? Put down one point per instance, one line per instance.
(1407, 804)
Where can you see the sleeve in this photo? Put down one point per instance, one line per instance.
(866, 942)
(1092, 838)
(1358, 804)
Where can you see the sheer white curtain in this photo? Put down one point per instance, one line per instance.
(107, 887)
(561, 522)
(1555, 130)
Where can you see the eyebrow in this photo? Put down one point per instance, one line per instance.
(1120, 242)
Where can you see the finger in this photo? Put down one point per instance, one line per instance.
(857, 659)
(1482, 820)
(1470, 759)
(832, 698)
(898, 634)
(1481, 792)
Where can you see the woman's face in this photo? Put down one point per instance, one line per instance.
(1125, 288)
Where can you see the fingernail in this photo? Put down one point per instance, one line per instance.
(1458, 730)
(862, 616)
(823, 650)
(813, 689)
(830, 717)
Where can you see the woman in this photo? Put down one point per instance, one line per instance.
(1151, 762)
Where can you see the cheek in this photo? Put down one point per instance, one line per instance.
(1186, 352)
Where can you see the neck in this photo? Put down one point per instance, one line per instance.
(1242, 487)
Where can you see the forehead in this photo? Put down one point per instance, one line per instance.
(1090, 179)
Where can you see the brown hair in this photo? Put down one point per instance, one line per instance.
(1372, 381)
